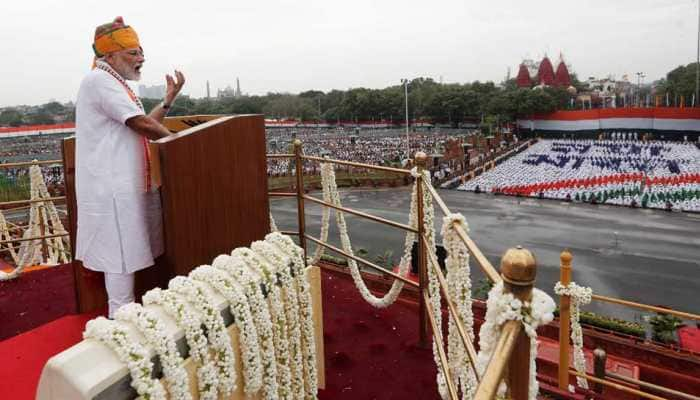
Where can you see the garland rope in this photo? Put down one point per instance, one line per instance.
(459, 289)
(579, 296)
(332, 196)
(502, 307)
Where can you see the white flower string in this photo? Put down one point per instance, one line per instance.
(502, 307)
(153, 331)
(277, 335)
(459, 288)
(129, 351)
(273, 225)
(277, 315)
(433, 282)
(240, 309)
(331, 195)
(53, 225)
(579, 296)
(199, 296)
(188, 319)
(41, 213)
(291, 309)
(259, 309)
(6, 236)
(287, 245)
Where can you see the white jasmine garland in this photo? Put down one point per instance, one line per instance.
(579, 296)
(30, 252)
(188, 319)
(296, 253)
(129, 351)
(5, 236)
(52, 225)
(154, 332)
(331, 195)
(283, 265)
(254, 263)
(502, 307)
(326, 186)
(277, 315)
(260, 312)
(273, 225)
(238, 302)
(433, 282)
(459, 288)
(199, 296)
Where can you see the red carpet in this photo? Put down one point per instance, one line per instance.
(35, 298)
(24, 355)
(371, 353)
(689, 337)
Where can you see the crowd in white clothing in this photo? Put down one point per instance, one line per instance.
(627, 172)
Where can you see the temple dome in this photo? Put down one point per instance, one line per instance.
(545, 73)
(562, 77)
(523, 78)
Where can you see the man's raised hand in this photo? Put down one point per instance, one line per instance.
(173, 86)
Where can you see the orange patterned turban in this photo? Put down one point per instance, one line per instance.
(114, 36)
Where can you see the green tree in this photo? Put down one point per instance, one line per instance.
(11, 117)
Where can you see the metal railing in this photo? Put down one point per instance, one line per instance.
(513, 340)
(603, 377)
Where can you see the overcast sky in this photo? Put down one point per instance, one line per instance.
(291, 46)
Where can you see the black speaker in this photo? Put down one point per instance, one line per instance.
(439, 251)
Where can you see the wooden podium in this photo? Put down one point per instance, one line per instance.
(212, 175)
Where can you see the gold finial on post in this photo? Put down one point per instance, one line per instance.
(421, 160)
(564, 320)
(518, 270)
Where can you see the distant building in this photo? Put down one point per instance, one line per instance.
(533, 74)
(230, 92)
(152, 92)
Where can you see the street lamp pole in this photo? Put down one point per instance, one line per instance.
(697, 63)
(408, 145)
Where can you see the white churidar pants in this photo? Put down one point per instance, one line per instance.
(120, 290)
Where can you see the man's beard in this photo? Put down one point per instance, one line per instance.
(128, 72)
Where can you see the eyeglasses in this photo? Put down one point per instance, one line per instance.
(136, 53)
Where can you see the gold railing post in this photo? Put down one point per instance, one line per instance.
(300, 194)
(420, 160)
(564, 320)
(511, 357)
(518, 270)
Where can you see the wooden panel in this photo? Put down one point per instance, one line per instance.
(214, 192)
(178, 124)
(89, 285)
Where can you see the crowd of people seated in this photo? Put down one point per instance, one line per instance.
(626, 172)
(370, 146)
(374, 146)
(27, 148)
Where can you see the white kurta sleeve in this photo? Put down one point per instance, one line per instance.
(115, 101)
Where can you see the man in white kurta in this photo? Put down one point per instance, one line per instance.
(119, 225)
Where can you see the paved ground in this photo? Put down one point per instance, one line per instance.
(641, 255)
